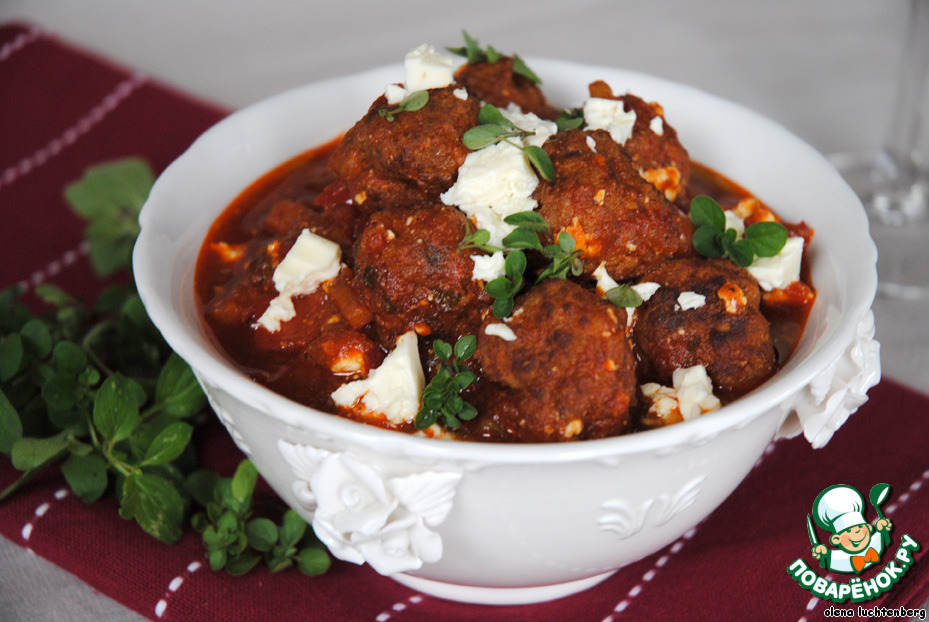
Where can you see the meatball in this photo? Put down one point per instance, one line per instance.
(654, 147)
(725, 332)
(498, 84)
(567, 375)
(408, 265)
(614, 215)
(413, 158)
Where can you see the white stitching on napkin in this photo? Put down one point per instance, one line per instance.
(674, 550)
(19, 43)
(68, 137)
(67, 259)
(41, 511)
(399, 606)
(650, 574)
(174, 585)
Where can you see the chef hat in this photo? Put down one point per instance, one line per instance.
(839, 507)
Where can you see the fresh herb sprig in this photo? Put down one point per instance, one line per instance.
(412, 102)
(97, 391)
(478, 239)
(442, 401)
(713, 239)
(624, 295)
(110, 197)
(563, 256)
(570, 119)
(473, 52)
(495, 128)
(236, 540)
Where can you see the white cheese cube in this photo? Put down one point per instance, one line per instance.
(734, 222)
(608, 114)
(394, 94)
(394, 389)
(781, 270)
(500, 330)
(488, 267)
(691, 300)
(310, 261)
(493, 183)
(656, 125)
(542, 129)
(427, 68)
(691, 395)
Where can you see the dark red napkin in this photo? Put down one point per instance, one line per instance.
(65, 109)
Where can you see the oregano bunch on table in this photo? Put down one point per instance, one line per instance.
(96, 391)
(236, 540)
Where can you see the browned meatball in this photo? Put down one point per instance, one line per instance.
(408, 264)
(727, 334)
(658, 154)
(413, 158)
(614, 215)
(568, 375)
(496, 83)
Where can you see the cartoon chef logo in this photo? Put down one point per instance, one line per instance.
(856, 543)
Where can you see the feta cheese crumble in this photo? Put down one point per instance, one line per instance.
(734, 222)
(497, 181)
(690, 300)
(771, 272)
(605, 283)
(781, 270)
(656, 125)
(608, 114)
(488, 267)
(691, 395)
(542, 129)
(426, 68)
(394, 389)
(310, 261)
(500, 330)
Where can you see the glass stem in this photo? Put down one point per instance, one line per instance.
(906, 138)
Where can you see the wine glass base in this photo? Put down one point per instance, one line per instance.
(897, 204)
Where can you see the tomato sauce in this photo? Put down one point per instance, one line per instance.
(233, 282)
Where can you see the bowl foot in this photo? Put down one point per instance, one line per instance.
(498, 595)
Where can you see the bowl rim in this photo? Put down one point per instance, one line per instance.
(206, 359)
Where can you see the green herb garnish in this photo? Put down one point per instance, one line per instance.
(570, 119)
(563, 256)
(477, 239)
(504, 289)
(713, 239)
(236, 541)
(473, 52)
(412, 102)
(97, 391)
(623, 295)
(442, 401)
(109, 197)
(494, 128)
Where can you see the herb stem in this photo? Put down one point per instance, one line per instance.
(87, 342)
(19, 483)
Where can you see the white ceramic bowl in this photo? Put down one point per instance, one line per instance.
(508, 523)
